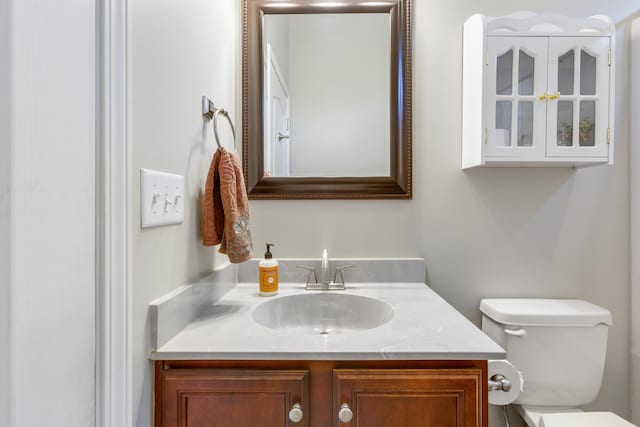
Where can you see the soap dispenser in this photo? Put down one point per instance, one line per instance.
(268, 268)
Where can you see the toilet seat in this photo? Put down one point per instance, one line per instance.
(584, 419)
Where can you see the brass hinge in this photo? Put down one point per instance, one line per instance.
(486, 57)
(608, 135)
(485, 135)
(609, 57)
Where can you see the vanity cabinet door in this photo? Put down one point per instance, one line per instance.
(232, 398)
(412, 397)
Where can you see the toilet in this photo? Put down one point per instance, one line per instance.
(559, 346)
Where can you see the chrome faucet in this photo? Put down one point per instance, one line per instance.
(325, 271)
(323, 281)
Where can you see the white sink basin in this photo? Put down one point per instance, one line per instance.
(323, 313)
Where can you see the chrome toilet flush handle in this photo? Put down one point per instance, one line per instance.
(516, 332)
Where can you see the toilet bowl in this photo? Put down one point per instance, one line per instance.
(559, 346)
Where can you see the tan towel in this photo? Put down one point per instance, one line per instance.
(225, 208)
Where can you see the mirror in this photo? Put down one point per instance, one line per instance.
(326, 107)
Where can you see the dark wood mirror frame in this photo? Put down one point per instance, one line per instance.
(395, 186)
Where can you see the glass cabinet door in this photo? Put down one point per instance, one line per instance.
(516, 77)
(578, 97)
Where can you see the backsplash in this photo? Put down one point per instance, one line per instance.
(390, 270)
(173, 311)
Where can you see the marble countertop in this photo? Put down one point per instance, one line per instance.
(424, 327)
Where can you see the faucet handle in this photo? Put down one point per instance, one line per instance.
(338, 279)
(312, 273)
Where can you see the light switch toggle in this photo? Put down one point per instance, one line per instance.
(167, 202)
(156, 196)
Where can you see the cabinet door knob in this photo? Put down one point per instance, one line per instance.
(344, 414)
(554, 95)
(543, 96)
(296, 414)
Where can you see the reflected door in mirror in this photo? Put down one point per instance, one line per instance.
(277, 148)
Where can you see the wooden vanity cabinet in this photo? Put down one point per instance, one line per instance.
(377, 393)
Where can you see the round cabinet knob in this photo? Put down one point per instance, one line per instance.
(296, 414)
(345, 414)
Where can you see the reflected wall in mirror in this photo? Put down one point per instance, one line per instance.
(326, 99)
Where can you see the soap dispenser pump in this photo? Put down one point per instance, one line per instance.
(268, 268)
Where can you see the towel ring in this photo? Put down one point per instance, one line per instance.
(215, 128)
(212, 112)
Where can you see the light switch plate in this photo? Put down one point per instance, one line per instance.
(161, 198)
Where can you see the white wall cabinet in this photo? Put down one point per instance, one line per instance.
(537, 91)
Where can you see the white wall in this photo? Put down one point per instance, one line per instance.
(181, 51)
(51, 200)
(5, 212)
(339, 98)
(635, 223)
(489, 232)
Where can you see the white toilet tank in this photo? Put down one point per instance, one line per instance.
(559, 345)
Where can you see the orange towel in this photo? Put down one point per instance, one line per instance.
(225, 208)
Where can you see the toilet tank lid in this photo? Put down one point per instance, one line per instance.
(545, 312)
